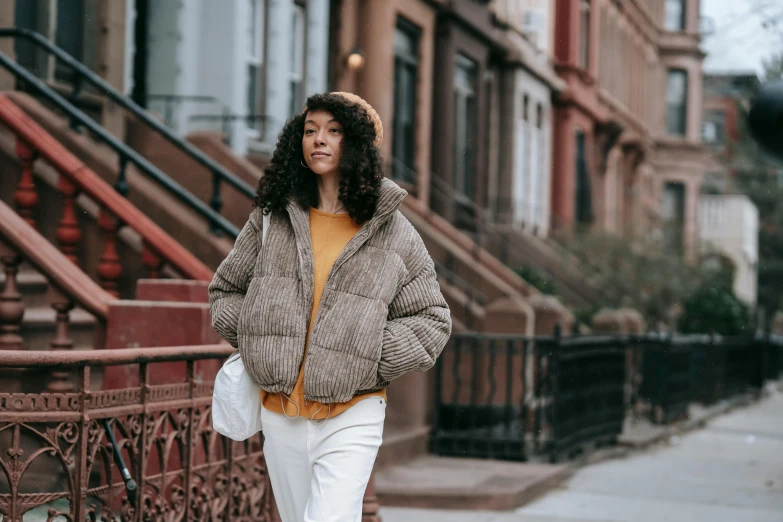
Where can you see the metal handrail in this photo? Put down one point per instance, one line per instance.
(125, 153)
(219, 172)
(89, 183)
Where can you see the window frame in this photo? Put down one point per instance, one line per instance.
(406, 68)
(465, 96)
(679, 27)
(296, 78)
(674, 195)
(682, 120)
(255, 57)
(583, 204)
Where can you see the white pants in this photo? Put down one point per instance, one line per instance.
(320, 469)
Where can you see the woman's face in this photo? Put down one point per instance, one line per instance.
(321, 142)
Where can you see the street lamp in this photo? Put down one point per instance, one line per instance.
(355, 59)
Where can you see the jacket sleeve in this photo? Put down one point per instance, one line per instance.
(229, 285)
(418, 325)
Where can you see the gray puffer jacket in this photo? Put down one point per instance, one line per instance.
(381, 314)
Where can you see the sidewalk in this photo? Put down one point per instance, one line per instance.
(730, 471)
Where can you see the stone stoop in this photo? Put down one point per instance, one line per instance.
(473, 484)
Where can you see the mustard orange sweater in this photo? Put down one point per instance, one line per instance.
(329, 234)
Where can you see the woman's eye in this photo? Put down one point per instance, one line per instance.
(335, 129)
(309, 131)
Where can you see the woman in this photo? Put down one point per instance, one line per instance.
(341, 300)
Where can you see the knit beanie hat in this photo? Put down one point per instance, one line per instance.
(374, 118)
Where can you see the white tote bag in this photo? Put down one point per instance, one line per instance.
(236, 398)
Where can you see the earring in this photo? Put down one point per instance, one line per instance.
(302, 164)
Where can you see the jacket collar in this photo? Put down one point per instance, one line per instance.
(389, 200)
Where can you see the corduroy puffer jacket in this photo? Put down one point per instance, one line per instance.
(381, 314)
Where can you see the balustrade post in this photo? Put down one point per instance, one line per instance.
(152, 261)
(11, 304)
(63, 306)
(109, 268)
(26, 197)
(68, 234)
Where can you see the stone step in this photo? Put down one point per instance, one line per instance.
(461, 483)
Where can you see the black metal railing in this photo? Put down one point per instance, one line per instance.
(586, 394)
(82, 75)
(670, 369)
(516, 397)
(481, 397)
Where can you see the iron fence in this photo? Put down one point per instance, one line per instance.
(517, 397)
(64, 454)
(586, 395)
(481, 396)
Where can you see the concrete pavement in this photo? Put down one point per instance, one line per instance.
(730, 471)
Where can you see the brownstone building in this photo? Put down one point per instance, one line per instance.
(628, 156)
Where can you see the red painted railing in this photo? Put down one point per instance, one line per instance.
(115, 211)
(22, 239)
(69, 287)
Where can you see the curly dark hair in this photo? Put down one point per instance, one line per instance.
(361, 166)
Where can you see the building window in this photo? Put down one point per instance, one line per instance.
(713, 128)
(583, 211)
(69, 34)
(297, 60)
(539, 116)
(406, 66)
(584, 34)
(75, 30)
(521, 194)
(675, 15)
(537, 168)
(676, 102)
(465, 74)
(255, 62)
(673, 214)
(26, 16)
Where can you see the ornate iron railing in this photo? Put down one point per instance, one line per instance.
(514, 397)
(58, 458)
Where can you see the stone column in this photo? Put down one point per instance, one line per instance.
(376, 83)
(110, 60)
(279, 42)
(317, 52)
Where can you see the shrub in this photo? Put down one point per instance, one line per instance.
(714, 307)
(543, 283)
